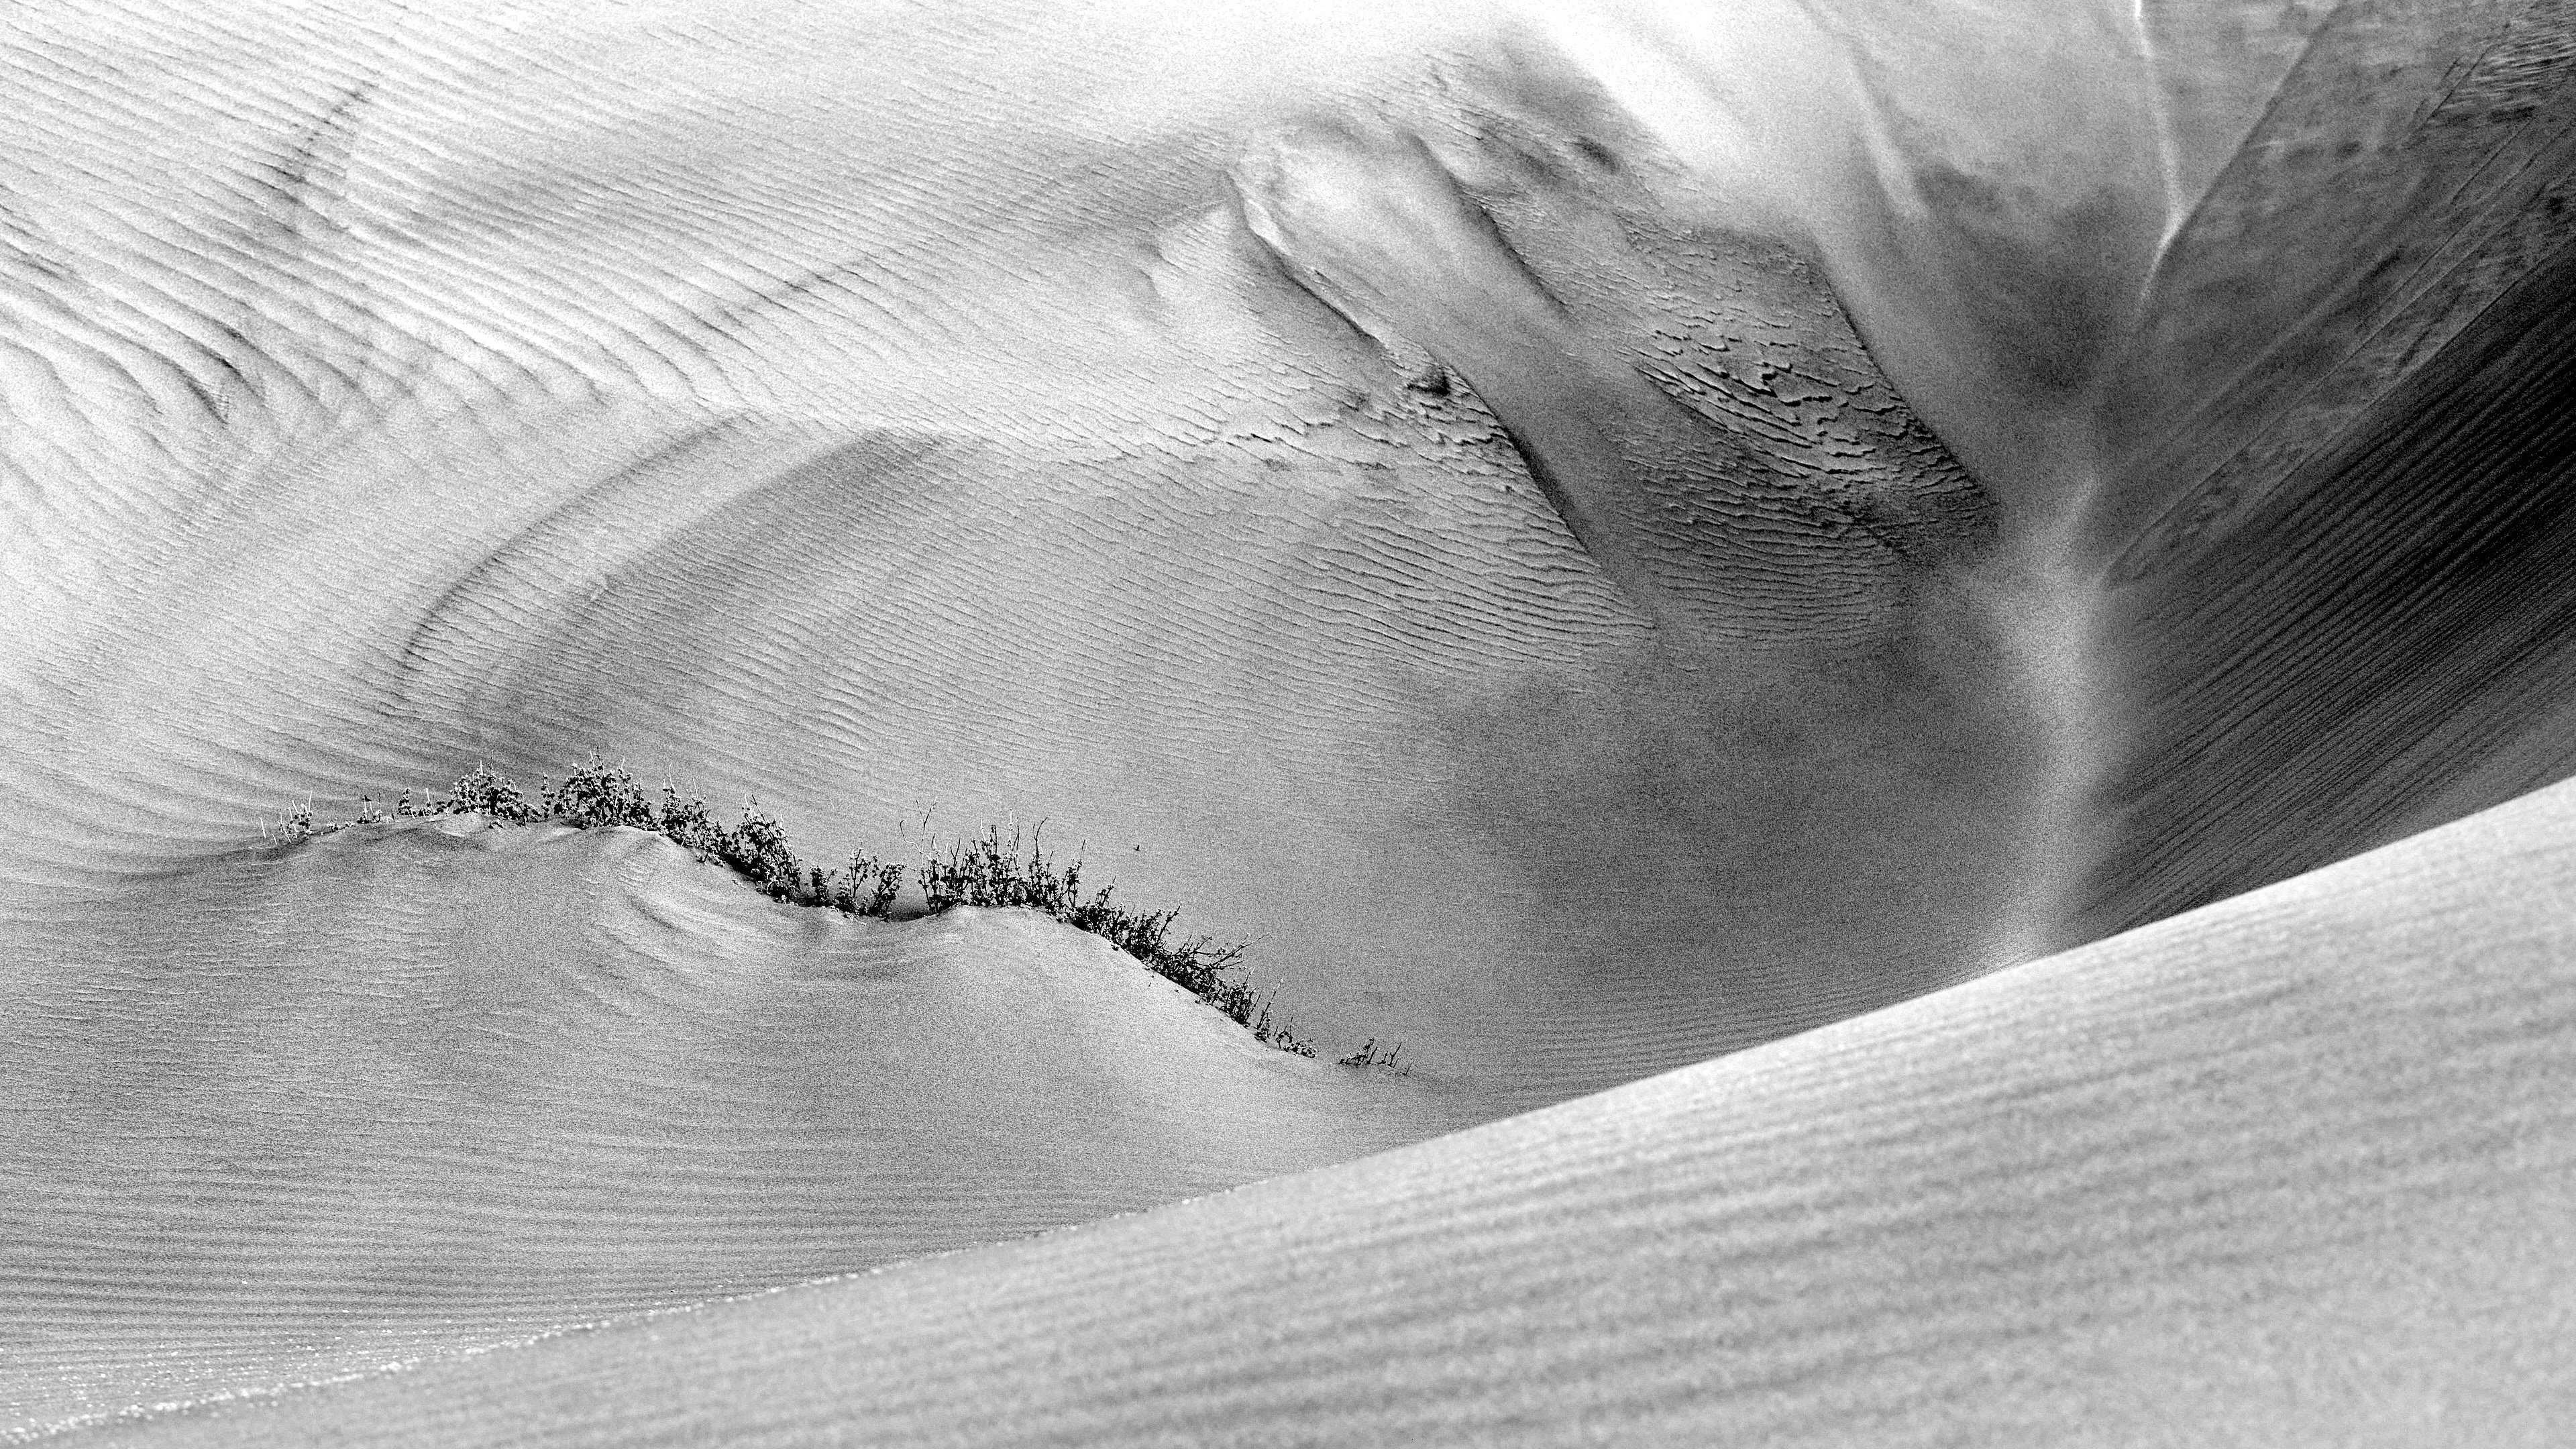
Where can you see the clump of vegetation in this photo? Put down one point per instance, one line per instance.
(982, 871)
(596, 795)
(867, 888)
(689, 826)
(757, 850)
(485, 793)
(986, 872)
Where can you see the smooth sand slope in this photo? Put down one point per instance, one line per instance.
(413, 1089)
(2294, 1169)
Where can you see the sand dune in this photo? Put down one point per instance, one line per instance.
(758, 430)
(421, 1088)
(1594, 536)
(1647, 588)
(2338, 447)
(2294, 1169)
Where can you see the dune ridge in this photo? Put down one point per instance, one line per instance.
(1211, 459)
(1598, 535)
(413, 1088)
(1030, 492)
(2287, 1170)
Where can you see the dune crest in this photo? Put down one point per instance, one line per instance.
(1597, 535)
(2288, 1170)
(415, 1089)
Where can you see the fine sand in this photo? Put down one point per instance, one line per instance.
(2294, 1169)
(1593, 536)
(412, 1089)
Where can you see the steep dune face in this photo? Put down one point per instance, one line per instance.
(2336, 449)
(2289, 1170)
(409, 1091)
(2213, 71)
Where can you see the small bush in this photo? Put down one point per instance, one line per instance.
(1138, 933)
(868, 886)
(758, 849)
(986, 872)
(689, 826)
(486, 793)
(596, 795)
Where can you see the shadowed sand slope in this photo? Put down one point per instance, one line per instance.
(370, 1099)
(2336, 458)
(2384, 643)
(2295, 1169)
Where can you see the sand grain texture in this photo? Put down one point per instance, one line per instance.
(417, 1089)
(1593, 535)
(1677, 532)
(2295, 1169)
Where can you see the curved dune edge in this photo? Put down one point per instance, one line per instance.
(877, 401)
(1259, 447)
(891, 411)
(2290, 1169)
(417, 1089)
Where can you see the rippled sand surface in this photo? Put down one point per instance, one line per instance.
(1592, 536)
(2294, 1169)
(409, 1090)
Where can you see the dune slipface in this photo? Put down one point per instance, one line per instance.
(1593, 535)
(2338, 450)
